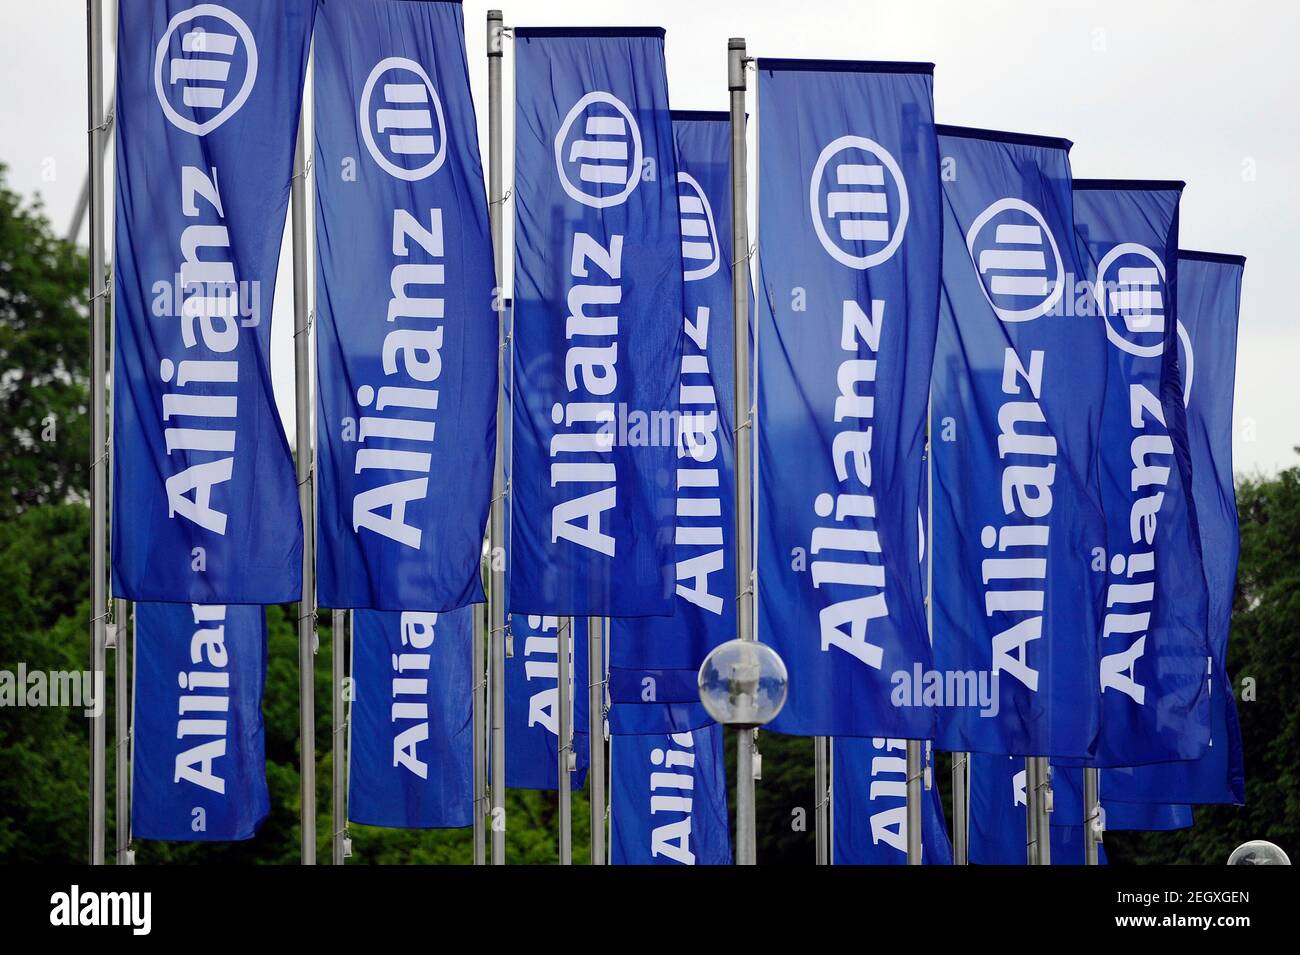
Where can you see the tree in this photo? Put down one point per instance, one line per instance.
(44, 357)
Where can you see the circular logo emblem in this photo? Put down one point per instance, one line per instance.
(858, 201)
(598, 151)
(401, 119)
(1130, 296)
(700, 253)
(204, 68)
(1017, 259)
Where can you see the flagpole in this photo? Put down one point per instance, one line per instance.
(496, 525)
(564, 738)
(99, 451)
(913, 802)
(915, 763)
(1031, 810)
(596, 733)
(960, 808)
(478, 666)
(736, 84)
(338, 807)
(830, 800)
(304, 458)
(122, 735)
(1091, 816)
(821, 807)
(1044, 811)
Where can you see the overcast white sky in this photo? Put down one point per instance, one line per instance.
(1200, 91)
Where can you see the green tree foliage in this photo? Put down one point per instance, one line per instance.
(44, 355)
(44, 624)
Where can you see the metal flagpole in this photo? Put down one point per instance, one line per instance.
(1044, 806)
(1092, 832)
(821, 807)
(1031, 811)
(915, 763)
(736, 83)
(960, 808)
(564, 738)
(479, 701)
(83, 198)
(99, 291)
(306, 482)
(338, 801)
(596, 733)
(118, 635)
(122, 730)
(496, 525)
(913, 802)
(830, 800)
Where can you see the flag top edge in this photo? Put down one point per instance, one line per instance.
(1132, 185)
(525, 33)
(1224, 258)
(844, 66)
(1001, 136)
(701, 115)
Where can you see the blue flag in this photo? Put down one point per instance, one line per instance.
(412, 739)
(1146, 817)
(598, 325)
(1070, 812)
(654, 660)
(668, 799)
(998, 833)
(869, 806)
(199, 750)
(1018, 389)
(1209, 293)
(1154, 688)
(533, 699)
(407, 335)
(849, 261)
(205, 502)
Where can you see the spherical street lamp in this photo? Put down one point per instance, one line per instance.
(1258, 852)
(743, 683)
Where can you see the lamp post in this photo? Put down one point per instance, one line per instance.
(743, 684)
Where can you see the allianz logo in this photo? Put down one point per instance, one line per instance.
(401, 119)
(598, 151)
(204, 68)
(700, 252)
(1018, 260)
(858, 200)
(1130, 296)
